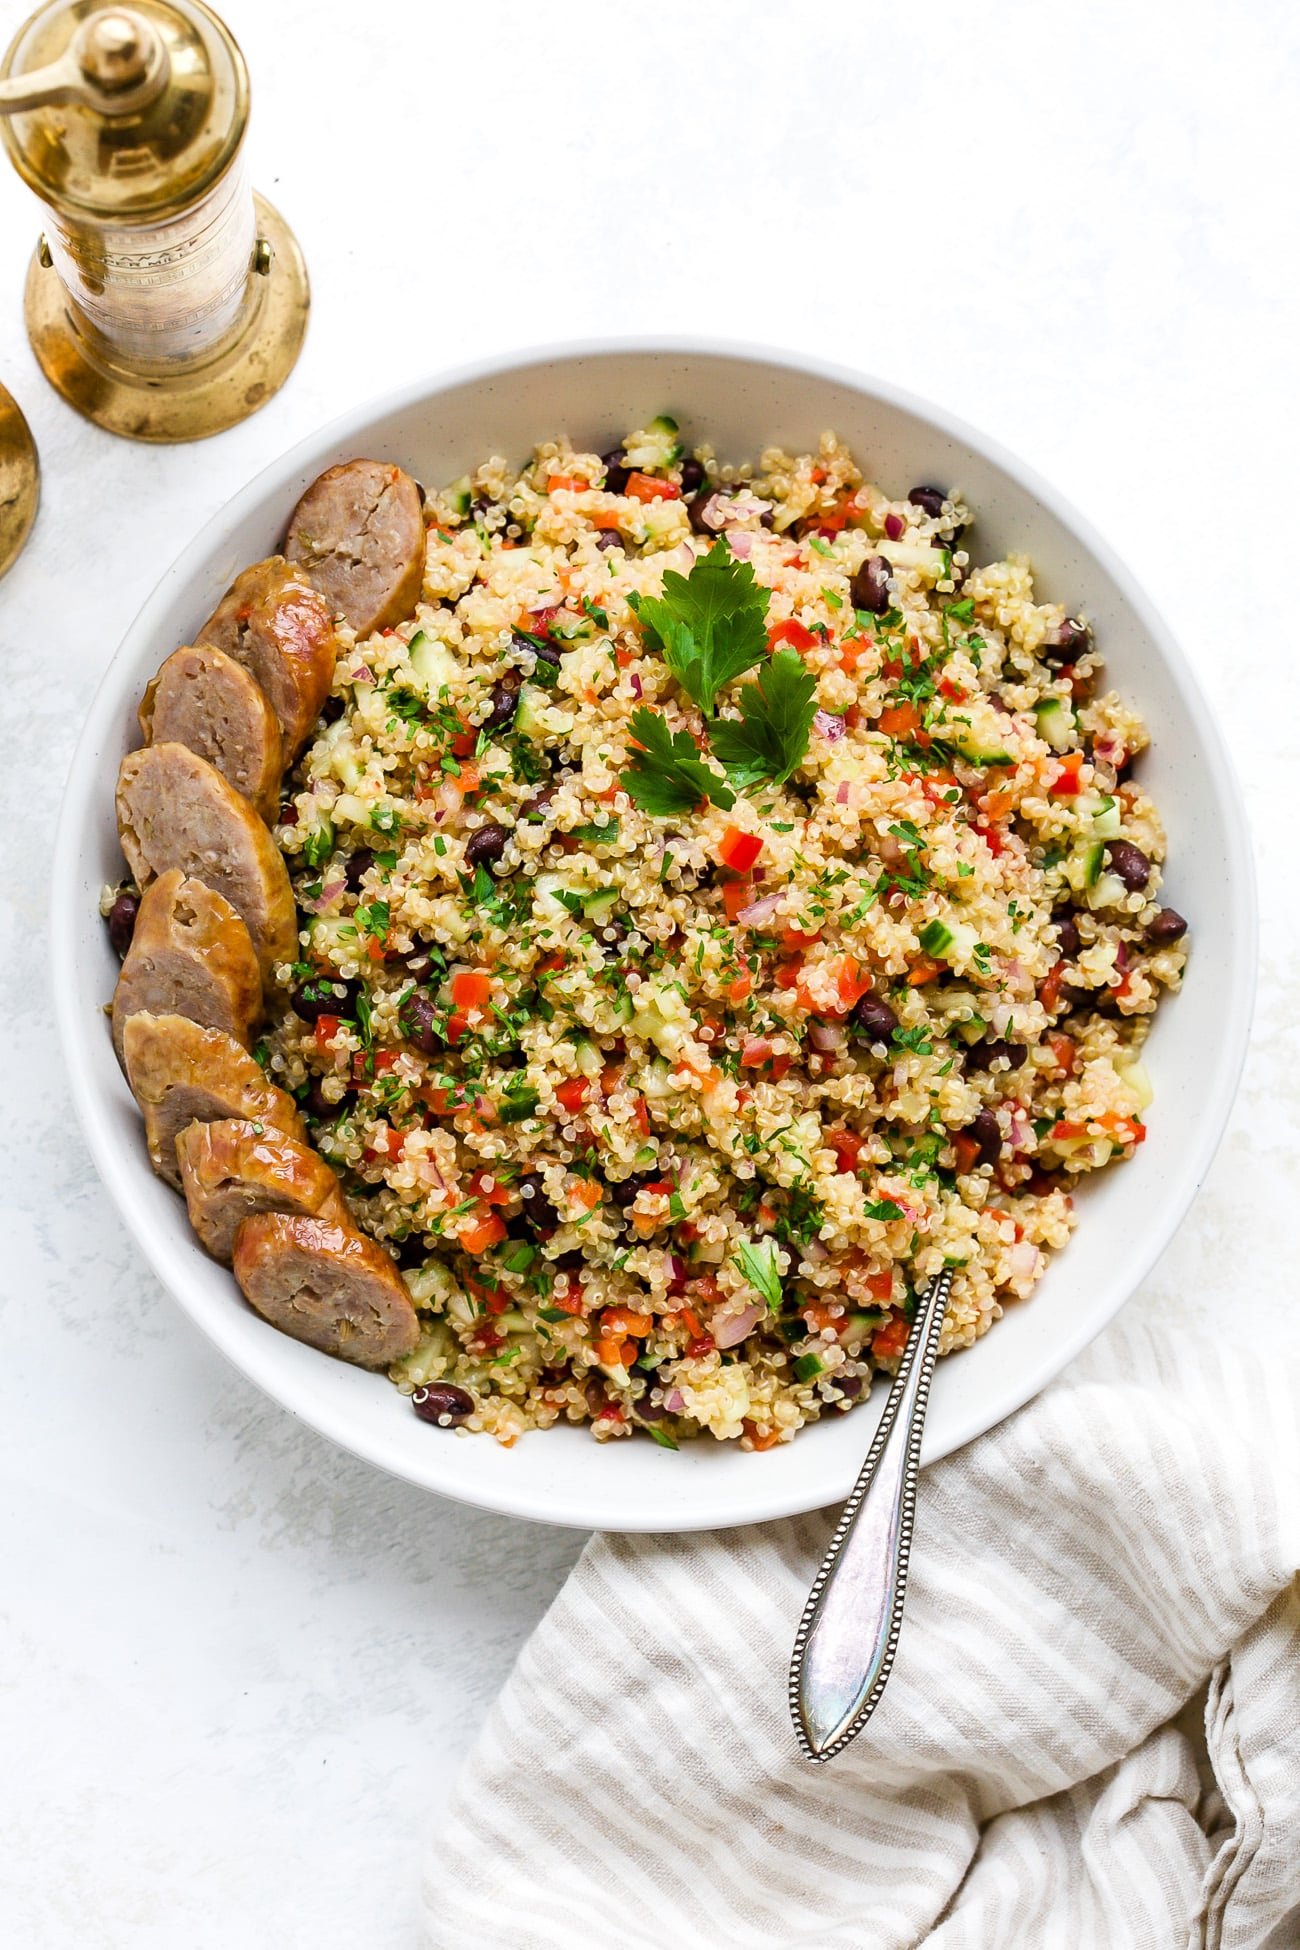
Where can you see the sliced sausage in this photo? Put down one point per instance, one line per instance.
(181, 1074)
(231, 1168)
(190, 955)
(326, 1284)
(176, 810)
(359, 533)
(203, 699)
(273, 622)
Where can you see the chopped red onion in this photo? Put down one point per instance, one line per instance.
(827, 1036)
(677, 1270)
(727, 1333)
(815, 1252)
(363, 674)
(1022, 1260)
(758, 912)
(894, 526)
(742, 543)
(828, 726)
(1020, 1135)
(675, 1402)
(842, 793)
(330, 889)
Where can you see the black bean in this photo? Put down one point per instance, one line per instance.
(929, 500)
(980, 1055)
(420, 964)
(1068, 641)
(987, 1134)
(121, 921)
(849, 1385)
(420, 1022)
(1067, 935)
(1167, 926)
(609, 538)
(625, 1190)
(1130, 863)
(693, 477)
(356, 867)
(594, 1395)
(538, 804)
(872, 1020)
(486, 844)
(318, 1105)
(540, 647)
(331, 710)
(869, 588)
(647, 1411)
(412, 1252)
(505, 702)
(617, 471)
(443, 1404)
(510, 1059)
(538, 1212)
(324, 995)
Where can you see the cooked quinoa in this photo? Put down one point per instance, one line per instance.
(669, 1096)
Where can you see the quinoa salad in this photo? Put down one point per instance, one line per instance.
(725, 901)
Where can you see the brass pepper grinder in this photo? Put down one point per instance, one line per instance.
(165, 300)
(20, 477)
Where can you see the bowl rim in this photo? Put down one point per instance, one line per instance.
(119, 1171)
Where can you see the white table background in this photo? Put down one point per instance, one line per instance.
(238, 1670)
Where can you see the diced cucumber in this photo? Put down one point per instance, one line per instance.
(571, 629)
(600, 905)
(319, 844)
(663, 520)
(1083, 865)
(928, 562)
(1108, 889)
(1135, 1076)
(807, 1367)
(434, 666)
(535, 718)
(648, 1155)
(588, 1058)
(459, 495)
(1106, 820)
(1055, 723)
(935, 938)
(966, 741)
(863, 1323)
(345, 765)
(656, 446)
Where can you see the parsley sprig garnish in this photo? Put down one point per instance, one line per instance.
(668, 775)
(770, 736)
(710, 625)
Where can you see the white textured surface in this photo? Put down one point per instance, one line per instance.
(237, 1670)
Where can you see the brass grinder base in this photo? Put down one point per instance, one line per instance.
(202, 399)
(20, 479)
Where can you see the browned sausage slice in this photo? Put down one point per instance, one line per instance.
(231, 1169)
(273, 622)
(326, 1284)
(182, 1073)
(359, 533)
(190, 955)
(203, 699)
(176, 810)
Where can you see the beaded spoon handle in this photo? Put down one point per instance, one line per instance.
(847, 1637)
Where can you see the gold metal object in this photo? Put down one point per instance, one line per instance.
(165, 301)
(20, 480)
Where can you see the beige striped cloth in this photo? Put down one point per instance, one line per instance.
(1113, 1563)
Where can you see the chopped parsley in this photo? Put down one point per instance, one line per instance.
(758, 1264)
(770, 737)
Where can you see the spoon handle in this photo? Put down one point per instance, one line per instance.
(848, 1634)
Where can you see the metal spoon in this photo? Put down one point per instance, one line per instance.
(847, 1637)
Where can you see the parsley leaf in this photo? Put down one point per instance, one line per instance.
(770, 737)
(710, 625)
(758, 1264)
(668, 775)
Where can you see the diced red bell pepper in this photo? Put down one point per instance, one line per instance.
(572, 1094)
(888, 1342)
(755, 1051)
(481, 1229)
(1065, 1053)
(471, 989)
(488, 1189)
(558, 482)
(1066, 783)
(327, 1028)
(644, 487)
(1049, 989)
(739, 850)
(736, 894)
(880, 1285)
(967, 1149)
(847, 1146)
(792, 633)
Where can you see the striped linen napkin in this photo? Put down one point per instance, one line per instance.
(1116, 1559)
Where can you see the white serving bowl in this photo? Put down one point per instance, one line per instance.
(740, 399)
